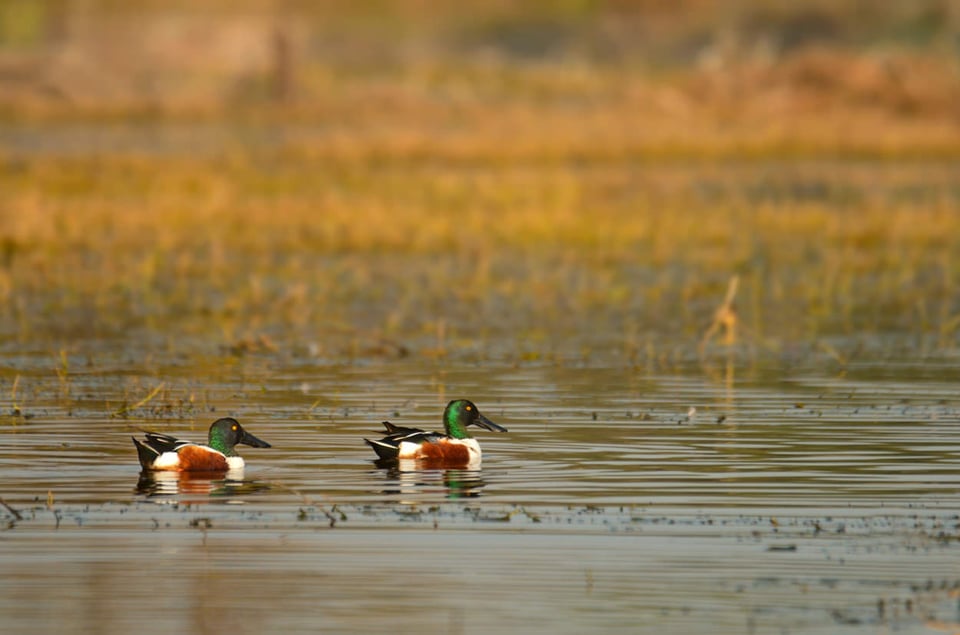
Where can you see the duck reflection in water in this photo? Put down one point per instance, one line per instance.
(408, 478)
(201, 484)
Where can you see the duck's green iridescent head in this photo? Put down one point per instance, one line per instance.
(461, 413)
(226, 433)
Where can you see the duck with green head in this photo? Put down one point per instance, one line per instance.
(160, 452)
(451, 449)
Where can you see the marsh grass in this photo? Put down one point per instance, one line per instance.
(343, 258)
(449, 202)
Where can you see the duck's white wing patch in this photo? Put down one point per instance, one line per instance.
(166, 460)
(408, 450)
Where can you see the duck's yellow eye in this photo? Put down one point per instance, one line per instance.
(234, 428)
(469, 407)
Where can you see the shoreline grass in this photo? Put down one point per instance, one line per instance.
(447, 181)
(193, 246)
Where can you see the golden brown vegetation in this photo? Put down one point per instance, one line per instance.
(447, 191)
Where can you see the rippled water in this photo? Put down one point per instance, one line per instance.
(619, 501)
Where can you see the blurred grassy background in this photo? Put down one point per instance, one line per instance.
(481, 179)
(633, 72)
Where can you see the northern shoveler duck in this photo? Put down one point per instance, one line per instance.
(456, 447)
(166, 453)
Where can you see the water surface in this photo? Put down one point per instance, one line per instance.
(619, 501)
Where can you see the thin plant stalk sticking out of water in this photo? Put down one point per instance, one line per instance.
(125, 409)
(725, 317)
(15, 409)
(10, 509)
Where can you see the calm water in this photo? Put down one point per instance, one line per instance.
(789, 502)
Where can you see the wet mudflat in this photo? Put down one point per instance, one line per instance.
(798, 501)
